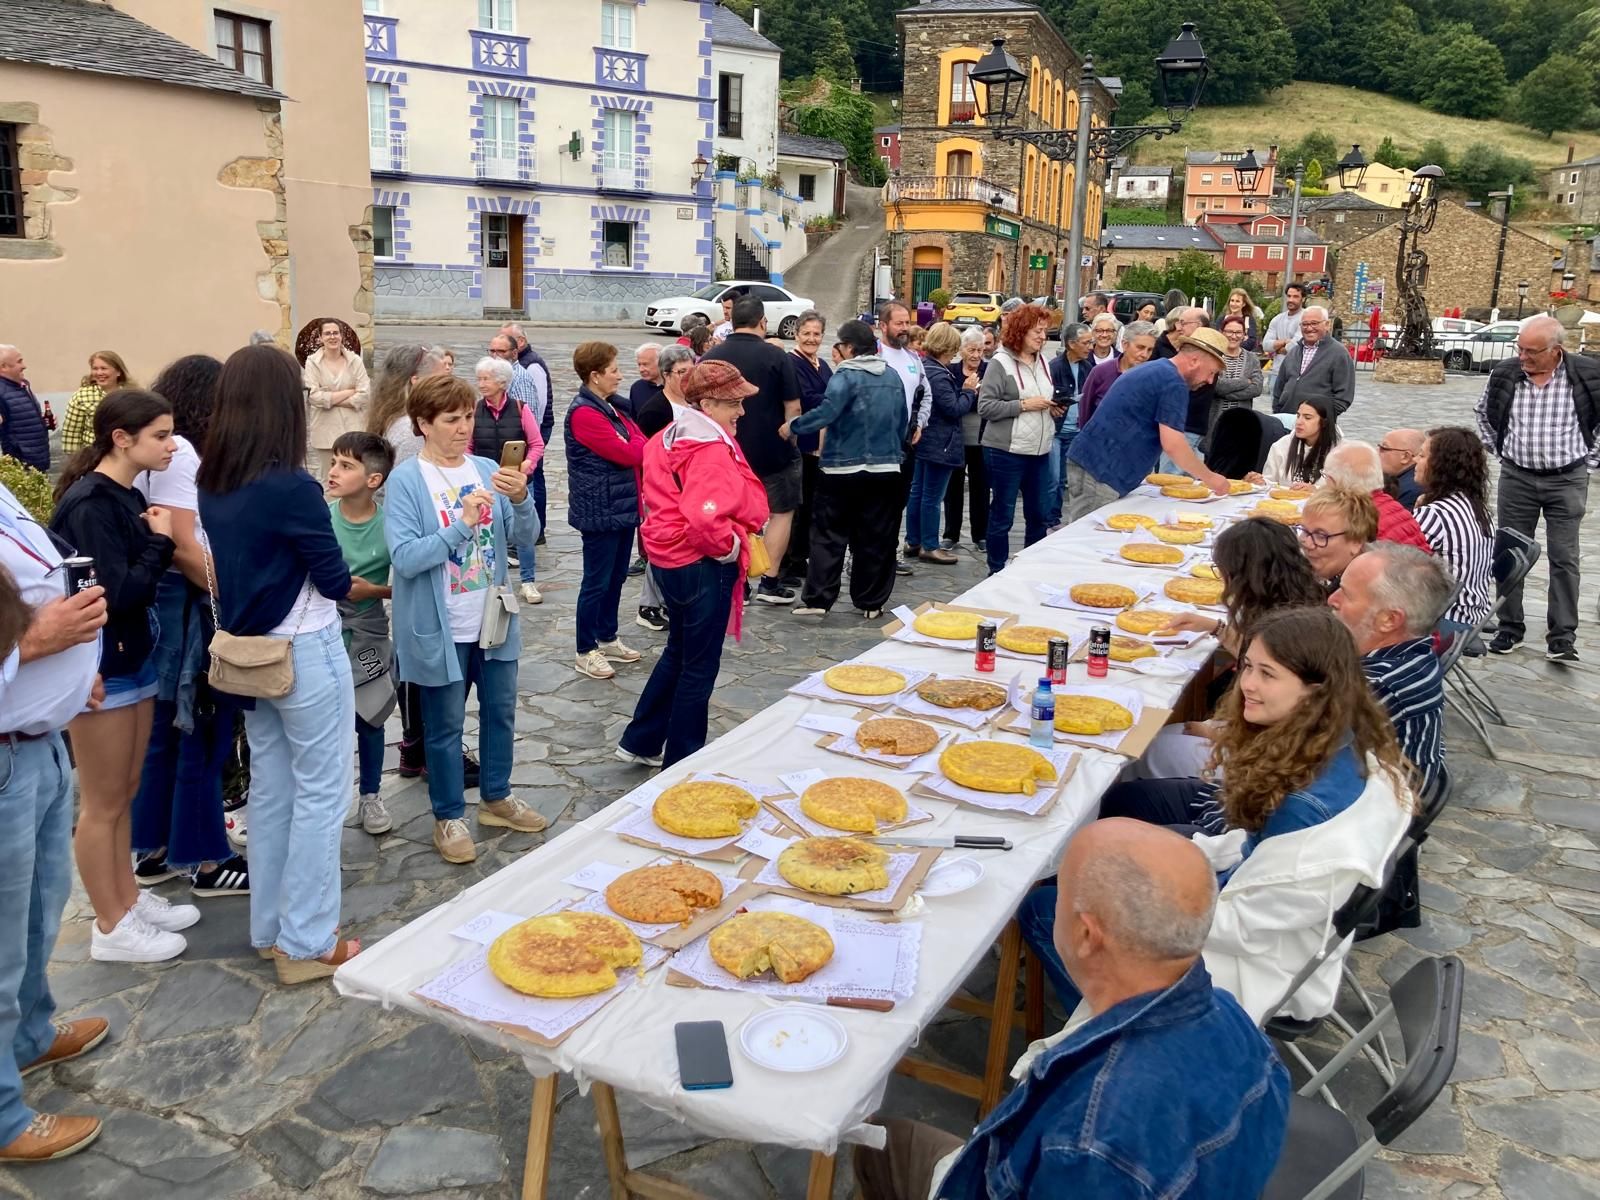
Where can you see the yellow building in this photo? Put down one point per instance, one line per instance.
(967, 211)
(173, 178)
(1382, 185)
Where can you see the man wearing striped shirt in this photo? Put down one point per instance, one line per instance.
(1539, 414)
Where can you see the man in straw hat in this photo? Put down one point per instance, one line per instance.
(1141, 418)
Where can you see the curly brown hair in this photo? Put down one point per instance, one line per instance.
(1260, 765)
(1458, 466)
(1263, 569)
(1019, 322)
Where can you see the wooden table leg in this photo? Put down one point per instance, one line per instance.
(1001, 1018)
(1033, 998)
(819, 1183)
(541, 1125)
(605, 1109)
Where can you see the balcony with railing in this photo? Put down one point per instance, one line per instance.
(624, 172)
(389, 154)
(502, 162)
(949, 189)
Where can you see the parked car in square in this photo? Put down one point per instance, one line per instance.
(783, 307)
(1480, 350)
(974, 308)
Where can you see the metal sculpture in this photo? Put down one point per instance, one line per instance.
(1418, 211)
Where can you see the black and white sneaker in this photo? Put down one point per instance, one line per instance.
(151, 869)
(903, 569)
(1503, 643)
(228, 878)
(770, 591)
(651, 617)
(1561, 654)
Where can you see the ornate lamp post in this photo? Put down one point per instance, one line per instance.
(1180, 76)
(1418, 211)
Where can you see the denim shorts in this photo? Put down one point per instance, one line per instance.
(123, 690)
(783, 488)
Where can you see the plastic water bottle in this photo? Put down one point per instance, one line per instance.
(1042, 716)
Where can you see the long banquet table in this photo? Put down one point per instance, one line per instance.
(629, 1044)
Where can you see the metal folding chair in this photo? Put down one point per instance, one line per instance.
(1323, 1156)
(1514, 556)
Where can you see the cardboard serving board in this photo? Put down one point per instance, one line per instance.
(838, 744)
(729, 853)
(1054, 794)
(1133, 744)
(908, 885)
(1001, 618)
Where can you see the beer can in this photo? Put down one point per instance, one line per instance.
(1060, 649)
(1099, 649)
(984, 659)
(80, 574)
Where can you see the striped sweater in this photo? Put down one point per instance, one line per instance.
(1452, 529)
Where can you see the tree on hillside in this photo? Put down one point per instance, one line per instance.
(1437, 152)
(1388, 154)
(1467, 77)
(804, 36)
(1552, 96)
(1315, 147)
(1482, 168)
(834, 111)
(1317, 54)
(833, 57)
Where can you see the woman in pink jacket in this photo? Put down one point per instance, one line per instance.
(704, 502)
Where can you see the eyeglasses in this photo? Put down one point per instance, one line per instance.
(1524, 351)
(1316, 537)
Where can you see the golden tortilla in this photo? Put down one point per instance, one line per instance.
(897, 735)
(1102, 595)
(860, 679)
(1027, 639)
(834, 866)
(1147, 552)
(659, 895)
(852, 804)
(790, 947)
(949, 625)
(563, 954)
(1194, 591)
(996, 766)
(704, 809)
(1091, 715)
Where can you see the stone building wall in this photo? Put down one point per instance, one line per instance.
(1120, 259)
(1461, 252)
(1356, 223)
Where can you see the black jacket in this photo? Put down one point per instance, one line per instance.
(101, 519)
(1584, 374)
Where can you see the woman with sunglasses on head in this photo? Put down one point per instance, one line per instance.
(103, 516)
(1297, 460)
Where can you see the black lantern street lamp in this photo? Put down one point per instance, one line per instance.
(1568, 278)
(1180, 77)
(1247, 172)
(1353, 170)
(1522, 297)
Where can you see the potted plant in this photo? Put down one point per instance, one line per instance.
(940, 299)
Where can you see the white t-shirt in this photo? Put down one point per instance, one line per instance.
(470, 569)
(175, 487)
(311, 612)
(908, 365)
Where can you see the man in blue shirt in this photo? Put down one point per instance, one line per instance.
(1141, 418)
(1165, 1088)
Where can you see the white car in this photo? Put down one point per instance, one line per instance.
(1481, 349)
(783, 306)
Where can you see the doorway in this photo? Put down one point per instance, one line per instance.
(501, 247)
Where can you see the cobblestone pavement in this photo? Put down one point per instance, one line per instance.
(218, 1083)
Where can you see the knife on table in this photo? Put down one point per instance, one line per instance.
(871, 1004)
(966, 841)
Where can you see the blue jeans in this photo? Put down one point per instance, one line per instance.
(670, 718)
(179, 801)
(1168, 467)
(1008, 474)
(1058, 478)
(301, 747)
(369, 757)
(444, 710)
(925, 508)
(1037, 918)
(36, 829)
(605, 569)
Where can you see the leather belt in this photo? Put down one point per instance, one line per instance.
(1542, 471)
(15, 738)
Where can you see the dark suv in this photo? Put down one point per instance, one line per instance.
(1126, 304)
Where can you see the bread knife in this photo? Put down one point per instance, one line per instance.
(967, 841)
(863, 1002)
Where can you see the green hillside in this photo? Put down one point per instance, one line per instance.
(1349, 115)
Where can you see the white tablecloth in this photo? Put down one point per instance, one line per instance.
(629, 1044)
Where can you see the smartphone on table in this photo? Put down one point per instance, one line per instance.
(703, 1056)
(512, 453)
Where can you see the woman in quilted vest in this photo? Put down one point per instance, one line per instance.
(605, 450)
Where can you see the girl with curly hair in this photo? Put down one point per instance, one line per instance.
(1453, 513)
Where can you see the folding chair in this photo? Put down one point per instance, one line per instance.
(1323, 1156)
(1514, 556)
(1401, 904)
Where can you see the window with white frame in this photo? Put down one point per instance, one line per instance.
(378, 125)
(1227, 177)
(616, 149)
(372, 6)
(1573, 178)
(500, 133)
(1150, 186)
(1247, 251)
(886, 141)
(1206, 178)
(1301, 254)
(616, 24)
(1274, 251)
(1200, 205)
(617, 241)
(1572, 197)
(498, 15)
(382, 231)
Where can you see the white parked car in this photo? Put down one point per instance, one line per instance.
(1481, 349)
(783, 306)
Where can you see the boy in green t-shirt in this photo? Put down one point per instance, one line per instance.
(361, 462)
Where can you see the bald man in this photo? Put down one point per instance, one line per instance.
(1166, 1087)
(1398, 452)
(1357, 465)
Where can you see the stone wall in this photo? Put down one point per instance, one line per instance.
(1356, 223)
(36, 158)
(1120, 259)
(422, 293)
(1461, 251)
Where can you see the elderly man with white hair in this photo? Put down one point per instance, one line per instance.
(1316, 365)
(1539, 415)
(22, 430)
(648, 385)
(1356, 465)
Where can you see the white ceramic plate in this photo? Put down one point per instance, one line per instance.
(948, 878)
(795, 1037)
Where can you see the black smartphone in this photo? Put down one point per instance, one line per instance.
(703, 1056)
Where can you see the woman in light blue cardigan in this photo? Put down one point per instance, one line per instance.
(448, 519)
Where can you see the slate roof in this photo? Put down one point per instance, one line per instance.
(1159, 237)
(960, 6)
(800, 145)
(728, 29)
(1141, 172)
(1221, 158)
(76, 35)
(1240, 236)
(1333, 202)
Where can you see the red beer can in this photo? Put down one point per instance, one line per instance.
(1099, 650)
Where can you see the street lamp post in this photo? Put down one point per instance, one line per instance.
(1522, 297)
(1180, 75)
(1500, 255)
(1294, 221)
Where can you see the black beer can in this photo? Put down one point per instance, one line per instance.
(80, 573)
(1060, 650)
(984, 658)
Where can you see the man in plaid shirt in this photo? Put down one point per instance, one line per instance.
(1539, 413)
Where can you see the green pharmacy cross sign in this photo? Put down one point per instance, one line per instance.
(1038, 262)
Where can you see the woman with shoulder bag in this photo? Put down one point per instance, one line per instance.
(940, 449)
(705, 508)
(450, 519)
(278, 577)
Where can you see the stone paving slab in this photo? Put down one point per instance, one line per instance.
(217, 1083)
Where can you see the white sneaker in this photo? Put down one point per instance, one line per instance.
(134, 940)
(639, 760)
(594, 665)
(373, 814)
(233, 823)
(528, 593)
(163, 914)
(617, 652)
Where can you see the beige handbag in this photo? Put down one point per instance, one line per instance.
(259, 667)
